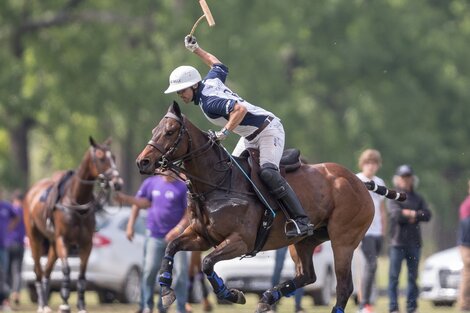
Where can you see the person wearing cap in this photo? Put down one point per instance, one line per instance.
(370, 162)
(405, 237)
(258, 128)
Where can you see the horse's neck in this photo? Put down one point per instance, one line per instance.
(81, 190)
(202, 166)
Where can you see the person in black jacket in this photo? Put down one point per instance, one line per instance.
(405, 237)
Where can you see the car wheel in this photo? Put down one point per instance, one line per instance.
(130, 292)
(106, 296)
(443, 303)
(324, 295)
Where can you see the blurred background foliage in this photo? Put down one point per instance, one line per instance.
(343, 75)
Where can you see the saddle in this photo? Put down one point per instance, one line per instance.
(290, 162)
(52, 195)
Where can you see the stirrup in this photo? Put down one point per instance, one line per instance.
(299, 233)
(49, 225)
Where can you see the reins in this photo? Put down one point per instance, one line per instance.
(176, 165)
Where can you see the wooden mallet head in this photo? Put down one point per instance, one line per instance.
(207, 12)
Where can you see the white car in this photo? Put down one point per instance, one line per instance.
(114, 266)
(253, 275)
(440, 277)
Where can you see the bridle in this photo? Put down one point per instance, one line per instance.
(105, 180)
(164, 162)
(175, 165)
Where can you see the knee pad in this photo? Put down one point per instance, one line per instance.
(272, 178)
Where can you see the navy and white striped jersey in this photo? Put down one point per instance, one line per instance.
(217, 101)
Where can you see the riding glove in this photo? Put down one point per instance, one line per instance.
(218, 135)
(190, 43)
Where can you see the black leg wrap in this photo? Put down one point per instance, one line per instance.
(273, 295)
(165, 277)
(81, 286)
(220, 289)
(65, 288)
(46, 284)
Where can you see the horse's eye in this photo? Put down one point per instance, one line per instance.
(169, 133)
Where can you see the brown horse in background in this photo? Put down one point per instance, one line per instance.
(71, 213)
(226, 214)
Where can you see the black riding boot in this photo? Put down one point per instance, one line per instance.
(283, 192)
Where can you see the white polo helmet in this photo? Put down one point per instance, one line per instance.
(183, 77)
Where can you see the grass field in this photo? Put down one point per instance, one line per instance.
(286, 306)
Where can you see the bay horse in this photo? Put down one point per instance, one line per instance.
(226, 215)
(71, 214)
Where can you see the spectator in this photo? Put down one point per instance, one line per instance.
(15, 244)
(370, 162)
(463, 241)
(405, 237)
(8, 221)
(195, 273)
(276, 279)
(165, 196)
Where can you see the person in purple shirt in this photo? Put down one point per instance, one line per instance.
(15, 246)
(8, 221)
(165, 197)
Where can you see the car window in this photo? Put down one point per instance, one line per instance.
(139, 226)
(102, 222)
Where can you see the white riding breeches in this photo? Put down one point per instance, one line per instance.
(270, 143)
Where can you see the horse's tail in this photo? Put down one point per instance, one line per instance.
(384, 191)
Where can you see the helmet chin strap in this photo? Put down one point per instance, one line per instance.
(194, 89)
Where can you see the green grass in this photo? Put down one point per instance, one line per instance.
(286, 306)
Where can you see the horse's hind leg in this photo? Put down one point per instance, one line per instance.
(85, 251)
(36, 243)
(305, 275)
(61, 249)
(231, 247)
(51, 258)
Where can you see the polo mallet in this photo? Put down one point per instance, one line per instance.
(207, 14)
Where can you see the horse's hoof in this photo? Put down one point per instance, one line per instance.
(240, 296)
(64, 308)
(168, 298)
(44, 309)
(263, 308)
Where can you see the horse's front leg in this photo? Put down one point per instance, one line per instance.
(84, 253)
(65, 287)
(232, 246)
(188, 241)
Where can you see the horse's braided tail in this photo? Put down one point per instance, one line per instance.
(384, 191)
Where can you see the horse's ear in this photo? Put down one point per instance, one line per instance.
(92, 142)
(108, 141)
(175, 108)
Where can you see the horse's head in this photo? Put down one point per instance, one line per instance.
(103, 165)
(168, 142)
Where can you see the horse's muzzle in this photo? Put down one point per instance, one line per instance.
(145, 166)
